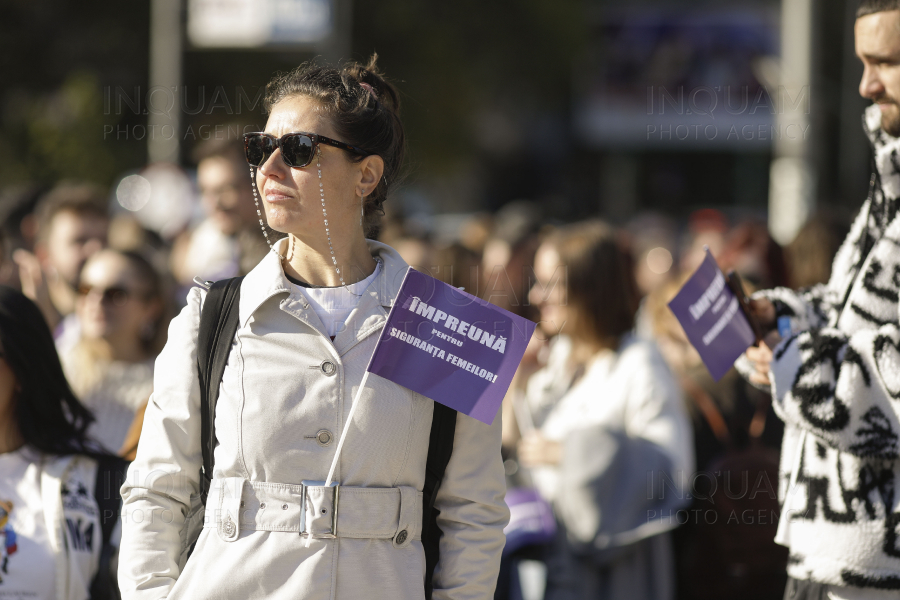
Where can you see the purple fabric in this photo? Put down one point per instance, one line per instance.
(712, 318)
(450, 346)
(531, 520)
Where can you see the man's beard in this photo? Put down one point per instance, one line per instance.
(890, 118)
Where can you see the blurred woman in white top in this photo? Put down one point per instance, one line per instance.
(607, 425)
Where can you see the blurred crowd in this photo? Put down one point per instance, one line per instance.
(610, 405)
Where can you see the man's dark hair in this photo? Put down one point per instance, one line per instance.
(214, 147)
(868, 7)
(82, 199)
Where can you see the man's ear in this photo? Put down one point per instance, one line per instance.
(371, 168)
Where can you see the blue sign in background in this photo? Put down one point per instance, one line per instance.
(454, 359)
(711, 317)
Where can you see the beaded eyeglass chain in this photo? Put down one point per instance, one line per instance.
(259, 215)
(262, 223)
(325, 216)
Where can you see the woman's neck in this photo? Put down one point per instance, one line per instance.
(120, 348)
(584, 351)
(313, 265)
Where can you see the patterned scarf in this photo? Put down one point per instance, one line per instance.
(884, 187)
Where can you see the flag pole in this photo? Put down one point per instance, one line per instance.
(337, 451)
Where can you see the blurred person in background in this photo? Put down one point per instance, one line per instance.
(120, 307)
(72, 225)
(18, 225)
(653, 241)
(751, 251)
(59, 493)
(810, 254)
(601, 415)
(706, 228)
(736, 441)
(830, 359)
(508, 255)
(227, 242)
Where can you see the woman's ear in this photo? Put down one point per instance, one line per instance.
(371, 168)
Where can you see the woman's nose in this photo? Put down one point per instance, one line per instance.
(274, 165)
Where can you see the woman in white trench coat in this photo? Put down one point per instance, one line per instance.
(310, 315)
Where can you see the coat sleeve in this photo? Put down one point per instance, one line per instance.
(473, 513)
(164, 477)
(806, 309)
(842, 388)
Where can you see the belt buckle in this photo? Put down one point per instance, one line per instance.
(336, 493)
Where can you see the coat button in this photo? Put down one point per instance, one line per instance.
(401, 537)
(328, 368)
(228, 527)
(324, 437)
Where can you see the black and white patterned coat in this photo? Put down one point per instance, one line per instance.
(836, 384)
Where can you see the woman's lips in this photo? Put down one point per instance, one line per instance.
(276, 197)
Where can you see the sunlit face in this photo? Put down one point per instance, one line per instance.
(292, 196)
(549, 291)
(73, 239)
(878, 47)
(113, 304)
(225, 193)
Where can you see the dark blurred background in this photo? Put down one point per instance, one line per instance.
(584, 106)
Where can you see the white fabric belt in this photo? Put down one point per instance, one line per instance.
(235, 504)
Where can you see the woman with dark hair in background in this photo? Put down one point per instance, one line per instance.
(58, 490)
(310, 315)
(601, 419)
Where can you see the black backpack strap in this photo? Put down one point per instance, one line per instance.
(440, 447)
(110, 477)
(218, 324)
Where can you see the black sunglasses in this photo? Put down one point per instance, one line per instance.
(114, 295)
(297, 149)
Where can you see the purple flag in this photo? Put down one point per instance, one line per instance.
(450, 346)
(712, 318)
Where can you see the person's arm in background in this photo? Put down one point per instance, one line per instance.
(34, 285)
(473, 513)
(164, 476)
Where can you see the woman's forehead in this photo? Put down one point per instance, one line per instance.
(297, 113)
(106, 266)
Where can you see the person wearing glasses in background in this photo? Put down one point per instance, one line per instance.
(310, 315)
(120, 307)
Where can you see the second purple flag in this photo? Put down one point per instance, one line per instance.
(450, 346)
(711, 317)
